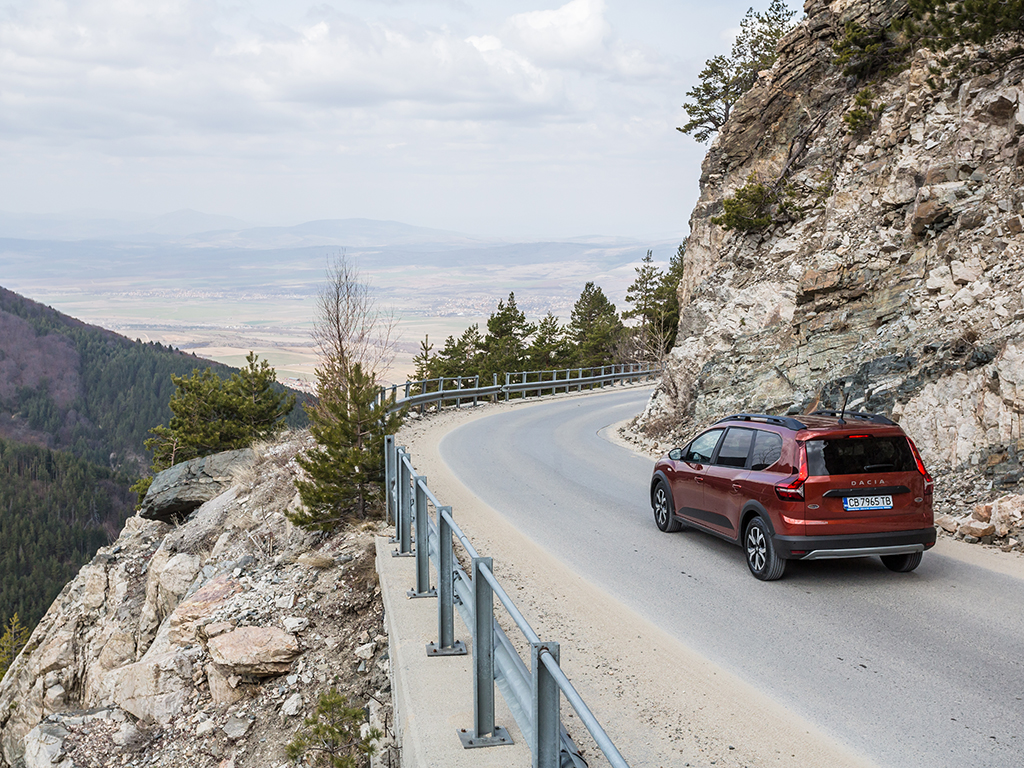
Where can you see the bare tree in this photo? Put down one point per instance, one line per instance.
(350, 329)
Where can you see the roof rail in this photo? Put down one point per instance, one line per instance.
(782, 421)
(875, 418)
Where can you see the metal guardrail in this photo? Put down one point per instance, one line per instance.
(462, 388)
(533, 693)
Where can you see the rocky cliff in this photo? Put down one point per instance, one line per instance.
(201, 642)
(892, 268)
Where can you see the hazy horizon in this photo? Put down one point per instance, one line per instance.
(511, 118)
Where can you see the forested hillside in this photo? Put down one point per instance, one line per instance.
(76, 406)
(56, 510)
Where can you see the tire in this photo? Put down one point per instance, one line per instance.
(762, 559)
(661, 503)
(902, 563)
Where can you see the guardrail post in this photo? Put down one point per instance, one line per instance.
(458, 400)
(476, 385)
(389, 481)
(446, 644)
(546, 698)
(422, 517)
(485, 732)
(404, 515)
(508, 380)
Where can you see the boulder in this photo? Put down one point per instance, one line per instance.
(206, 600)
(221, 690)
(184, 487)
(257, 651)
(156, 687)
(44, 746)
(977, 529)
(295, 624)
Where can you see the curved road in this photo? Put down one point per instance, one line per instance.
(921, 669)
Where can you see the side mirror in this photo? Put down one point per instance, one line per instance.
(676, 454)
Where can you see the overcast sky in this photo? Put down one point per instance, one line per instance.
(499, 117)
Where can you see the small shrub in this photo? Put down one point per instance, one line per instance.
(330, 738)
(757, 205)
(864, 112)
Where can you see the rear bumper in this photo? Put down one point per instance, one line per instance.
(855, 545)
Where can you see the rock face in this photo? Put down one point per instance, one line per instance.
(182, 488)
(169, 648)
(896, 272)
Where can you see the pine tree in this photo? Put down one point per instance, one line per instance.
(652, 337)
(505, 343)
(549, 349)
(725, 79)
(333, 736)
(595, 329)
(423, 359)
(14, 638)
(211, 415)
(255, 410)
(346, 468)
(944, 23)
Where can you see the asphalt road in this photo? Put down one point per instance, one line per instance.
(921, 669)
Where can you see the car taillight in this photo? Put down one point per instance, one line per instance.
(928, 482)
(794, 490)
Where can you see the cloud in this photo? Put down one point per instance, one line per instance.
(171, 90)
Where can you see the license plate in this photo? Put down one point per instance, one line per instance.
(867, 502)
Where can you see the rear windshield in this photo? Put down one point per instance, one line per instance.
(859, 456)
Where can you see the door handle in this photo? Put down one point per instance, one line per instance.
(736, 487)
(698, 479)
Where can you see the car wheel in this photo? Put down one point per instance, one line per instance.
(902, 563)
(762, 559)
(661, 502)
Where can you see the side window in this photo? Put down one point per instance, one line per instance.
(735, 448)
(767, 450)
(702, 449)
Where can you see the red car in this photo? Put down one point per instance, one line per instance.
(814, 487)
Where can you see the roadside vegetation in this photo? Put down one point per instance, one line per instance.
(596, 334)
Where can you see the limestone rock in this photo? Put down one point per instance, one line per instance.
(44, 747)
(182, 488)
(221, 690)
(295, 624)
(977, 529)
(254, 651)
(204, 602)
(982, 513)
(155, 687)
(292, 705)
(237, 727)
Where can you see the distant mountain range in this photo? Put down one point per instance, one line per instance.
(188, 250)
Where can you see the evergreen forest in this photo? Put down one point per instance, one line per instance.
(77, 403)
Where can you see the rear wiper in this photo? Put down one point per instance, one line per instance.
(873, 467)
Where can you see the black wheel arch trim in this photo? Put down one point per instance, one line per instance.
(755, 509)
(659, 475)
